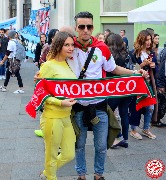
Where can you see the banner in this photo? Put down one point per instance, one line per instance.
(8, 24)
(38, 23)
(118, 86)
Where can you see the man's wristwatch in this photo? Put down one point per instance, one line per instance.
(135, 72)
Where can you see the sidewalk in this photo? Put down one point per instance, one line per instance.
(22, 153)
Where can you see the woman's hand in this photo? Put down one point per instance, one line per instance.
(68, 102)
(152, 65)
(36, 76)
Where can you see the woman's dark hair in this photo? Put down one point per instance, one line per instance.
(117, 46)
(157, 45)
(57, 44)
(51, 34)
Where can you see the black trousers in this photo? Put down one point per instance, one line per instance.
(17, 74)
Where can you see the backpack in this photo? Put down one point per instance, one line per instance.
(20, 51)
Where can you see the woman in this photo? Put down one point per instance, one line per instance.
(119, 52)
(146, 59)
(55, 123)
(43, 55)
(100, 37)
(38, 50)
(156, 44)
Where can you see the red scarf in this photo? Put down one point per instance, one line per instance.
(118, 86)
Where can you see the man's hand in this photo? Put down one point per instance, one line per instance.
(161, 90)
(68, 102)
(36, 76)
(144, 73)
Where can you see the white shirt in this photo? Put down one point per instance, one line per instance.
(11, 47)
(94, 70)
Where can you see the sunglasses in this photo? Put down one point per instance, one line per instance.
(82, 26)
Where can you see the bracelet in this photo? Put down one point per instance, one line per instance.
(135, 72)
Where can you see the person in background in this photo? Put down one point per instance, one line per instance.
(6, 32)
(119, 51)
(13, 68)
(107, 32)
(57, 128)
(100, 37)
(151, 31)
(3, 47)
(122, 34)
(145, 57)
(156, 44)
(39, 47)
(68, 29)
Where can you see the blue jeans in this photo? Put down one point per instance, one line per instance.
(3, 67)
(100, 131)
(122, 104)
(147, 117)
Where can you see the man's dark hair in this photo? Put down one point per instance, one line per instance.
(2, 29)
(150, 30)
(84, 14)
(108, 30)
(123, 30)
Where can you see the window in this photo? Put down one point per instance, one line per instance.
(119, 5)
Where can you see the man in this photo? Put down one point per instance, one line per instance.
(151, 31)
(83, 44)
(107, 32)
(122, 34)
(3, 47)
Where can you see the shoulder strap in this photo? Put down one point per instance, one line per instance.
(86, 63)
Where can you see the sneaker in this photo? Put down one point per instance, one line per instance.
(136, 135)
(19, 91)
(42, 176)
(38, 133)
(122, 143)
(148, 134)
(2, 88)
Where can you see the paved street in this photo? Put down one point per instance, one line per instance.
(22, 153)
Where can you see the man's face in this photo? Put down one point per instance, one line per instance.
(1, 33)
(122, 33)
(84, 28)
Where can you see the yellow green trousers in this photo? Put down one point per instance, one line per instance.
(57, 132)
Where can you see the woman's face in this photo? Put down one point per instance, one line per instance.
(67, 48)
(101, 37)
(148, 42)
(156, 40)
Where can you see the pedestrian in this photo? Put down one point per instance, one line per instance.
(100, 36)
(58, 130)
(145, 57)
(123, 35)
(13, 64)
(120, 54)
(3, 47)
(39, 48)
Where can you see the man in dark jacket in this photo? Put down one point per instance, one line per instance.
(3, 47)
(161, 85)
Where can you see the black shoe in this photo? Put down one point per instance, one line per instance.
(158, 124)
(122, 143)
(101, 178)
(79, 178)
